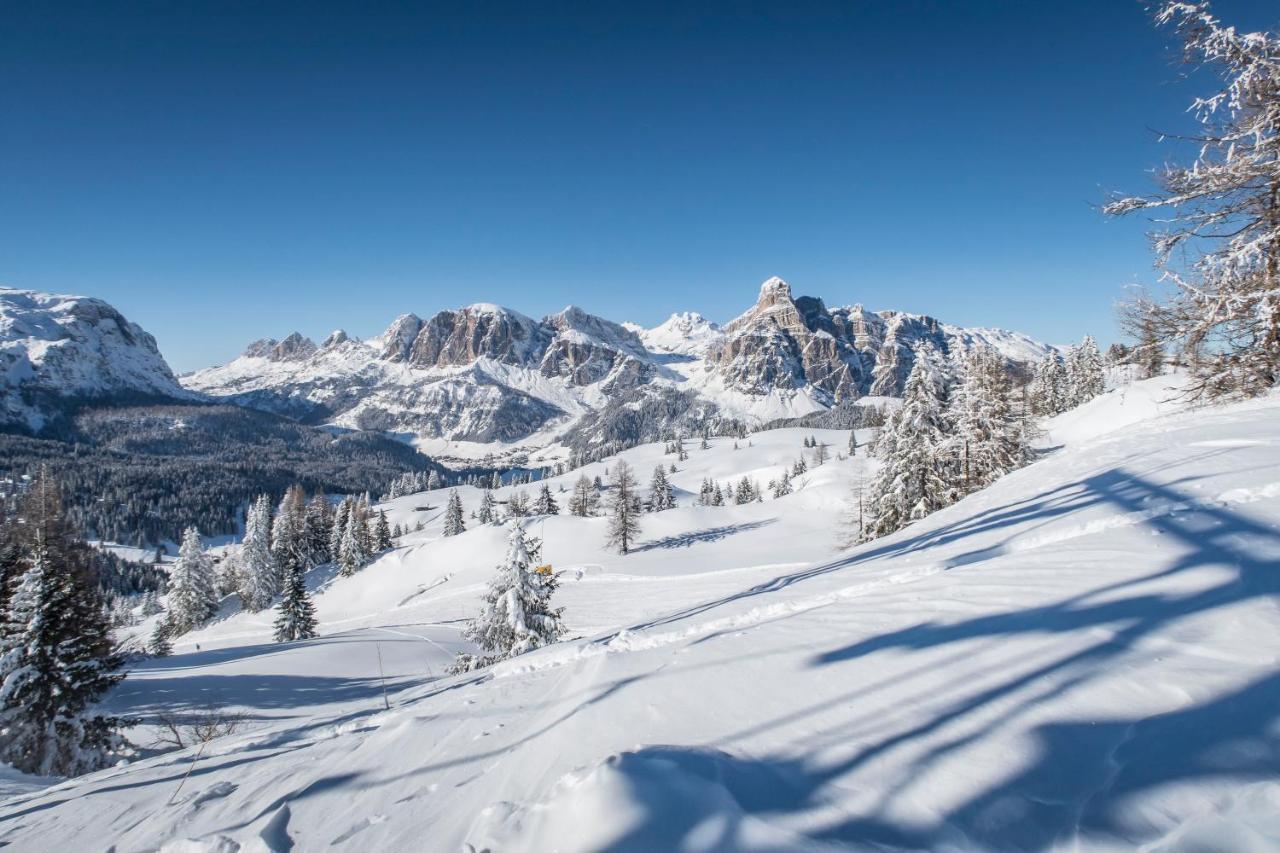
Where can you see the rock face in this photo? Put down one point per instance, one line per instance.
(57, 351)
(489, 374)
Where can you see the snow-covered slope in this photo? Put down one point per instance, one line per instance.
(485, 375)
(1078, 657)
(55, 349)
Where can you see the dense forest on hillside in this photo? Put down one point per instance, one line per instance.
(140, 474)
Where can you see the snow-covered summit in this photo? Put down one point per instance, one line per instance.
(482, 371)
(57, 348)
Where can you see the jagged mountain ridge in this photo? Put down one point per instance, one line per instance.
(486, 374)
(57, 350)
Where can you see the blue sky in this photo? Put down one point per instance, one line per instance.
(227, 171)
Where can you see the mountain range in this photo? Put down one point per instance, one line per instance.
(472, 380)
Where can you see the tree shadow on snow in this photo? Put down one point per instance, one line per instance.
(695, 537)
(1081, 780)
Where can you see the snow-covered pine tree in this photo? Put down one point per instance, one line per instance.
(987, 436)
(661, 496)
(193, 593)
(782, 485)
(545, 504)
(910, 483)
(382, 540)
(624, 518)
(518, 505)
(1220, 247)
(259, 576)
(338, 529)
(289, 527)
(517, 615)
(319, 521)
(1086, 374)
(352, 556)
(853, 442)
(433, 481)
(745, 493)
(486, 514)
(160, 644)
(57, 659)
(296, 615)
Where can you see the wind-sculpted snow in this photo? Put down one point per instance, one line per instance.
(1077, 657)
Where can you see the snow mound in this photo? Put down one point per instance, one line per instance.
(657, 798)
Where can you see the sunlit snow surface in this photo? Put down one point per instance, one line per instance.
(1083, 656)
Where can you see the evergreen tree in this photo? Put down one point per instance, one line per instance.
(987, 436)
(259, 577)
(56, 655)
(296, 619)
(661, 496)
(745, 493)
(517, 615)
(161, 643)
(518, 505)
(318, 522)
(338, 529)
(433, 481)
(193, 593)
(545, 504)
(624, 517)
(289, 528)
(1086, 375)
(853, 442)
(382, 533)
(486, 515)
(911, 481)
(782, 486)
(352, 556)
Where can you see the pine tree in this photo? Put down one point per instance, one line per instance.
(911, 483)
(486, 514)
(382, 540)
(1086, 375)
(987, 436)
(296, 617)
(745, 493)
(193, 593)
(454, 523)
(352, 557)
(338, 529)
(853, 442)
(318, 522)
(517, 616)
(782, 485)
(819, 453)
(56, 655)
(518, 505)
(545, 504)
(717, 495)
(258, 573)
(661, 496)
(161, 643)
(433, 482)
(624, 518)
(289, 528)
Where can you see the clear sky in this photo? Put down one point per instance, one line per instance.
(225, 171)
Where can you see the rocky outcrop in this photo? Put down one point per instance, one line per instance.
(58, 350)
(488, 374)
